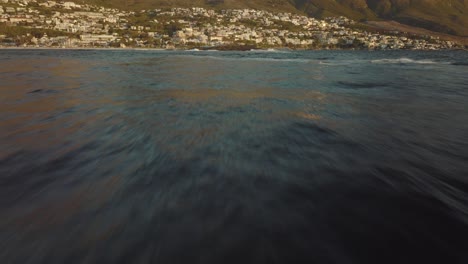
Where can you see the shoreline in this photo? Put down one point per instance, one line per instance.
(212, 50)
(77, 48)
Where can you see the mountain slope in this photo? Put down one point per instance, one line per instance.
(448, 16)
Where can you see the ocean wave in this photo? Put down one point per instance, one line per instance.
(269, 51)
(261, 59)
(362, 85)
(404, 61)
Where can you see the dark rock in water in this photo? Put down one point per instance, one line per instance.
(43, 91)
(362, 85)
(36, 91)
(460, 63)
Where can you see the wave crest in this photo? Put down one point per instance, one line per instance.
(404, 61)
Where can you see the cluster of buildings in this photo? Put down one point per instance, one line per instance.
(67, 24)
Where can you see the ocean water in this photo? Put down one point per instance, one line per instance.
(233, 157)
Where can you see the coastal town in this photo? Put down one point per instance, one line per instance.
(54, 24)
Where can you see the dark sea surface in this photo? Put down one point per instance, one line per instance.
(233, 157)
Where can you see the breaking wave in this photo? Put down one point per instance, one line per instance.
(404, 61)
(269, 51)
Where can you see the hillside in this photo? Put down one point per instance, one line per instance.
(270, 5)
(447, 16)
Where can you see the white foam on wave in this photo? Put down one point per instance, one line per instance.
(269, 51)
(404, 61)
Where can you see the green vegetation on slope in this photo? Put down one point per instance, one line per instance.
(20, 31)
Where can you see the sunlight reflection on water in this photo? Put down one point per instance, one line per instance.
(177, 157)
